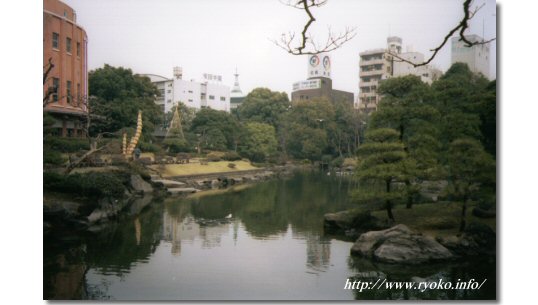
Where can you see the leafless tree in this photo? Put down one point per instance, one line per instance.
(460, 28)
(51, 89)
(306, 44)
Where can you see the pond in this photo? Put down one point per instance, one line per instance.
(265, 242)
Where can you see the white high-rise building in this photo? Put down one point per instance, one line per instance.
(377, 65)
(476, 57)
(210, 93)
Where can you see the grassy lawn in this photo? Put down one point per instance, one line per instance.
(169, 170)
(435, 219)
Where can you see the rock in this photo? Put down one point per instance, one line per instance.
(200, 183)
(337, 222)
(351, 223)
(223, 180)
(169, 183)
(97, 215)
(399, 245)
(139, 185)
(367, 242)
(182, 190)
(412, 249)
(236, 180)
(215, 183)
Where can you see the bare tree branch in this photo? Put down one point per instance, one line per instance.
(333, 41)
(50, 90)
(462, 27)
(48, 67)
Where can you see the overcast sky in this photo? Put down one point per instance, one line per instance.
(210, 36)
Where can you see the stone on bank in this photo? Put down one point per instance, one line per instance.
(400, 245)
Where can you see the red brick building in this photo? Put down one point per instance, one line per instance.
(65, 43)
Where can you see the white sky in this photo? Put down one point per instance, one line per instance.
(210, 36)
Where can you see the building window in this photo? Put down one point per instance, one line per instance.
(211, 97)
(190, 91)
(68, 92)
(190, 100)
(168, 101)
(222, 99)
(56, 88)
(68, 44)
(65, 13)
(202, 96)
(78, 49)
(168, 91)
(55, 41)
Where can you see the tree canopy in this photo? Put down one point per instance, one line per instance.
(117, 95)
(264, 106)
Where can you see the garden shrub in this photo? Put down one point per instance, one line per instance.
(176, 145)
(91, 185)
(214, 156)
(337, 162)
(66, 145)
(53, 157)
(231, 156)
(149, 147)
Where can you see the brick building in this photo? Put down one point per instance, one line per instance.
(65, 45)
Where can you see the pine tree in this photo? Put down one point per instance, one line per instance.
(470, 168)
(382, 161)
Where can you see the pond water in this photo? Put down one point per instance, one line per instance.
(263, 243)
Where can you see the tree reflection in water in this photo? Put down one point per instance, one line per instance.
(268, 238)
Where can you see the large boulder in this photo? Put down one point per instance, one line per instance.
(351, 223)
(400, 245)
(139, 185)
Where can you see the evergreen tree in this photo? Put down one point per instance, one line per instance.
(382, 161)
(470, 167)
(407, 107)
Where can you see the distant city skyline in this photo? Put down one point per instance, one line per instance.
(217, 36)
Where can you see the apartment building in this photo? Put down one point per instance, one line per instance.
(378, 64)
(210, 92)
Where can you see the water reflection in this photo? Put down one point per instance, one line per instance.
(476, 269)
(263, 243)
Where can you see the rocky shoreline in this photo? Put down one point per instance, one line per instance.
(397, 244)
(64, 212)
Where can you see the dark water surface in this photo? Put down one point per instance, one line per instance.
(263, 243)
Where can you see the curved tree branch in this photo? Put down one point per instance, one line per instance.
(333, 41)
(461, 27)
